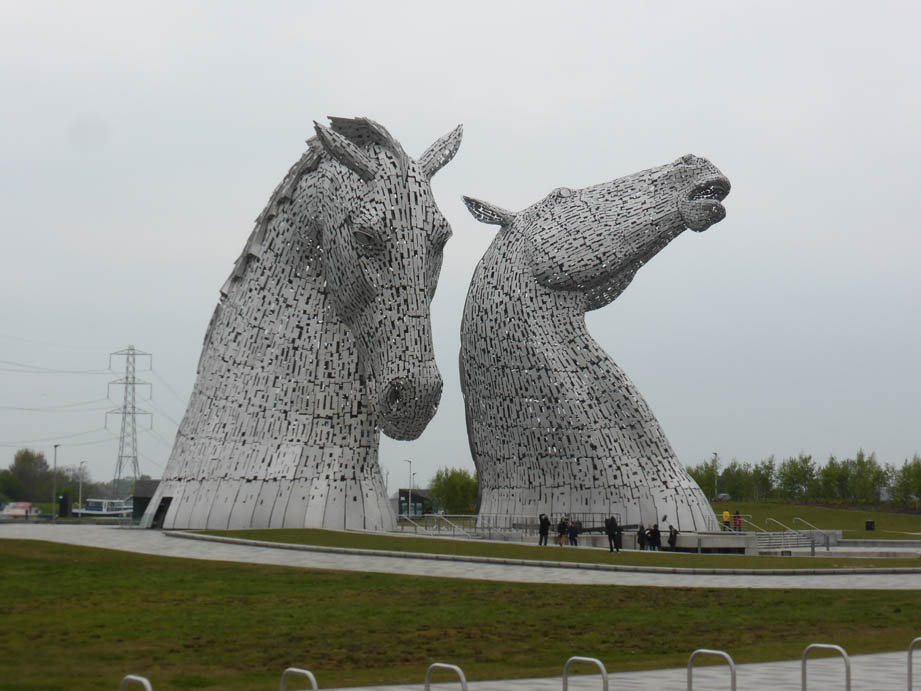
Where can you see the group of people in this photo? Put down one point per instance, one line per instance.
(568, 531)
(650, 539)
(565, 529)
(736, 521)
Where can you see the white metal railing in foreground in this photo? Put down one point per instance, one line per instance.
(719, 653)
(591, 660)
(296, 672)
(442, 665)
(911, 648)
(828, 646)
(135, 679)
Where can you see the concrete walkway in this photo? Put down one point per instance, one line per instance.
(882, 672)
(158, 543)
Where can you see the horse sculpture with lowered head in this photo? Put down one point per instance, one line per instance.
(554, 425)
(321, 338)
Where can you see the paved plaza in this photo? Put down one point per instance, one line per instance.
(159, 543)
(880, 672)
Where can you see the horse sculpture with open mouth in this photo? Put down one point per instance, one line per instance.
(554, 425)
(321, 339)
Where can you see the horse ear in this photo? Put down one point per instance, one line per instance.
(489, 213)
(346, 153)
(439, 154)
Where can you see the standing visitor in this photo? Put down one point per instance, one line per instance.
(737, 521)
(573, 533)
(544, 530)
(672, 537)
(561, 530)
(726, 519)
(641, 538)
(610, 528)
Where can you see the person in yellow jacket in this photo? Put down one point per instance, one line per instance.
(726, 518)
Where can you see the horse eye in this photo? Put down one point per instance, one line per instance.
(366, 240)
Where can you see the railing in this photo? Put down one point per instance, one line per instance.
(442, 665)
(753, 525)
(788, 529)
(911, 648)
(828, 646)
(591, 660)
(296, 672)
(134, 679)
(818, 530)
(720, 653)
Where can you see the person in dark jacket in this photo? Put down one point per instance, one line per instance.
(655, 538)
(641, 538)
(561, 530)
(573, 533)
(611, 528)
(544, 529)
(672, 537)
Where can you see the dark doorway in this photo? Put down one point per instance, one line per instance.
(160, 515)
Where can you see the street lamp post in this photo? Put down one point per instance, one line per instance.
(80, 494)
(409, 499)
(54, 485)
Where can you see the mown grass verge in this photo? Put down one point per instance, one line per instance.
(331, 538)
(73, 617)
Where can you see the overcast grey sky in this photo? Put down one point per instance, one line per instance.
(140, 140)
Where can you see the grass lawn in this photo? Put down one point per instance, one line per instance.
(73, 617)
(330, 538)
(889, 526)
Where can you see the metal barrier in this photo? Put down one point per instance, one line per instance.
(296, 672)
(442, 665)
(911, 648)
(720, 653)
(129, 678)
(824, 534)
(828, 646)
(788, 530)
(593, 660)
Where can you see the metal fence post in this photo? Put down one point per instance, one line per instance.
(720, 653)
(134, 678)
(828, 646)
(442, 665)
(911, 648)
(591, 660)
(296, 672)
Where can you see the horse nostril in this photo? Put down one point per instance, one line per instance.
(396, 396)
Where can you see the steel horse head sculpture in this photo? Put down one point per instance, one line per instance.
(554, 425)
(321, 339)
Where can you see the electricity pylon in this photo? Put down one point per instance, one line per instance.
(128, 440)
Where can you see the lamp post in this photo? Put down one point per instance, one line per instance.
(80, 494)
(54, 485)
(409, 499)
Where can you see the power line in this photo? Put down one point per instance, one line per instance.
(65, 436)
(163, 412)
(177, 396)
(54, 410)
(25, 368)
(57, 407)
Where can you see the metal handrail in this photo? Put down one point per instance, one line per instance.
(442, 665)
(456, 527)
(824, 534)
(794, 530)
(828, 646)
(720, 653)
(129, 678)
(405, 517)
(911, 648)
(754, 525)
(593, 660)
(298, 672)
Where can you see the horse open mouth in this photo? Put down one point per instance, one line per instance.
(702, 207)
(715, 188)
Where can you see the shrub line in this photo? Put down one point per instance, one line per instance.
(538, 563)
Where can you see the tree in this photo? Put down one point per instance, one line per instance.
(454, 490)
(763, 477)
(706, 475)
(10, 487)
(796, 477)
(31, 470)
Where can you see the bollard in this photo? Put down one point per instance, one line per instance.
(442, 665)
(720, 653)
(591, 660)
(134, 678)
(911, 648)
(827, 646)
